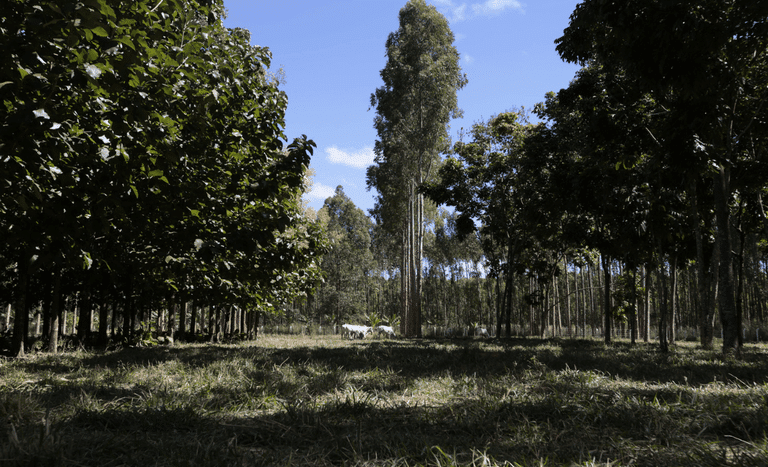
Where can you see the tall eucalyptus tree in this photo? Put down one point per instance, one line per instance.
(414, 107)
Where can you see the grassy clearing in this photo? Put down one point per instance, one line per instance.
(326, 401)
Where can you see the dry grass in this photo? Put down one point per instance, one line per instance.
(327, 401)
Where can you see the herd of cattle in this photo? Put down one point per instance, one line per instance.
(355, 331)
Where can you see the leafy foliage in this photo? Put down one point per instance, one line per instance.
(143, 144)
(348, 263)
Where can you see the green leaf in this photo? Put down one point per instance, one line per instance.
(99, 31)
(155, 173)
(127, 41)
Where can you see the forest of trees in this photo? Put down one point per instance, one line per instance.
(147, 186)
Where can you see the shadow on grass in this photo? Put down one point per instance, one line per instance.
(518, 401)
(431, 357)
(562, 425)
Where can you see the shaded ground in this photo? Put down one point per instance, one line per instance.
(327, 401)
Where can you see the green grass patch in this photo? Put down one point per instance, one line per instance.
(322, 400)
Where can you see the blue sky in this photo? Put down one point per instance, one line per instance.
(332, 53)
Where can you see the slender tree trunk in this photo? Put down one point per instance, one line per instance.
(664, 296)
(21, 313)
(182, 318)
(499, 305)
(547, 311)
(585, 305)
(647, 305)
(608, 305)
(594, 316)
(633, 312)
(508, 296)
(213, 326)
(104, 322)
(172, 310)
(64, 317)
(405, 274)
(673, 300)
(411, 328)
(46, 287)
(128, 307)
(193, 318)
(55, 312)
(567, 297)
(85, 318)
(706, 271)
(740, 287)
(113, 317)
(727, 302)
(419, 256)
(7, 319)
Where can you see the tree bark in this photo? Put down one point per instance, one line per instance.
(183, 318)
(740, 287)
(608, 305)
(55, 312)
(664, 295)
(647, 305)
(673, 308)
(567, 297)
(633, 321)
(21, 313)
(727, 303)
(85, 318)
(104, 321)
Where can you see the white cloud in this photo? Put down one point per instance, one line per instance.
(321, 192)
(467, 58)
(460, 12)
(464, 11)
(359, 159)
(494, 7)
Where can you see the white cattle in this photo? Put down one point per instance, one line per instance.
(354, 331)
(481, 332)
(385, 330)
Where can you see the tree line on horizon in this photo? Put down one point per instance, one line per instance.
(143, 146)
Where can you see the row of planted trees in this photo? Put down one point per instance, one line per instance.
(569, 304)
(143, 168)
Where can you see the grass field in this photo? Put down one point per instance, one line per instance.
(327, 401)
